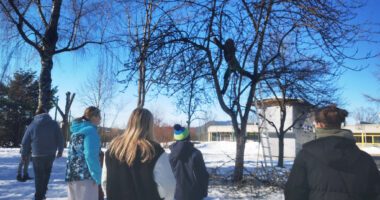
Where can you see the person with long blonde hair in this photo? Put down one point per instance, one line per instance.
(83, 172)
(136, 167)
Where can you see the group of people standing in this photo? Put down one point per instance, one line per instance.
(135, 166)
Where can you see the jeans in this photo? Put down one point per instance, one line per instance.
(24, 164)
(42, 168)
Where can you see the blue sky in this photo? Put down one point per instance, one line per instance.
(72, 69)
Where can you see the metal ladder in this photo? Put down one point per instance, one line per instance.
(263, 130)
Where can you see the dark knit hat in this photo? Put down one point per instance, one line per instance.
(180, 133)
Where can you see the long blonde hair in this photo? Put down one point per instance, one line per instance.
(138, 136)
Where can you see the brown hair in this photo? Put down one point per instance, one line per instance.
(138, 136)
(91, 111)
(331, 116)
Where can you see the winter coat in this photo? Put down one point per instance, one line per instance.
(333, 168)
(43, 137)
(189, 170)
(142, 181)
(83, 153)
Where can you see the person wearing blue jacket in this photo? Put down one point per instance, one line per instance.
(83, 172)
(43, 138)
(188, 167)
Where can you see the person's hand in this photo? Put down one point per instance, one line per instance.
(59, 154)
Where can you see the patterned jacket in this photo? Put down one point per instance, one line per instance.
(83, 153)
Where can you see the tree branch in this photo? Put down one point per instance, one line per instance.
(42, 16)
(23, 20)
(66, 49)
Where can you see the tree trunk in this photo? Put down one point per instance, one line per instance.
(44, 96)
(65, 115)
(239, 162)
(281, 150)
(141, 85)
(65, 130)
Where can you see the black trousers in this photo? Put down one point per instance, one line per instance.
(42, 168)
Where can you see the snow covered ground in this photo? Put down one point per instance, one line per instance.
(218, 157)
(10, 189)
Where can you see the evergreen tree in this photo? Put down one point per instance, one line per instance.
(18, 103)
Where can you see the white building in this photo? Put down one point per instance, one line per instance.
(295, 109)
(302, 131)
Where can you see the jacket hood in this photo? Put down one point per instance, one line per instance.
(41, 118)
(337, 152)
(80, 127)
(181, 150)
(326, 132)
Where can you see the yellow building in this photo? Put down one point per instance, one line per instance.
(366, 134)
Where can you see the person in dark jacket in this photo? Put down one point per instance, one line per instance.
(332, 167)
(43, 138)
(188, 166)
(136, 167)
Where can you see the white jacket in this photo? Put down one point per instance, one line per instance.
(163, 176)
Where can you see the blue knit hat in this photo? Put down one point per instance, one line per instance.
(180, 133)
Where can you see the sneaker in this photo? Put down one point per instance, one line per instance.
(19, 178)
(27, 177)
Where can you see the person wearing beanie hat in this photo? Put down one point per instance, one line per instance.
(332, 167)
(180, 133)
(188, 167)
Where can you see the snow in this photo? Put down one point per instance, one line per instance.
(372, 150)
(12, 189)
(219, 158)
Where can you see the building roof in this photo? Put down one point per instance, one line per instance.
(290, 102)
(364, 128)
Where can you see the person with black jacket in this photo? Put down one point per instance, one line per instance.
(332, 167)
(188, 166)
(136, 167)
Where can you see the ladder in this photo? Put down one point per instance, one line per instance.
(263, 130)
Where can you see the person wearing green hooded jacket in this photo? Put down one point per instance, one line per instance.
(332, 167)
(83, 172)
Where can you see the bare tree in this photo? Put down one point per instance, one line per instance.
(54, 27)
(192, 100)
(370, 97)
(299, 81)
(100, 87)
(366, 114)
(189, 87)
(148, 25)
(241, 39)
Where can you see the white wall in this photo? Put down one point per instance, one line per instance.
(273, 114)
(229, 128)
(289, 147)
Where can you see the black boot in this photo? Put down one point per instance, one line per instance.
(19, 178)
(27, 177)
